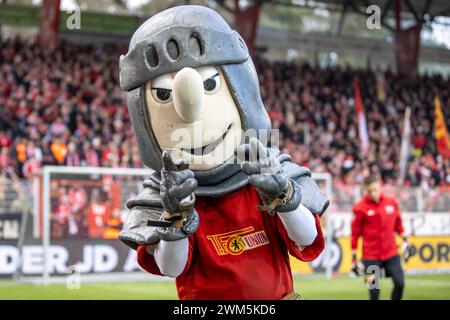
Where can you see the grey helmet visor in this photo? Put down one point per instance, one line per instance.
(173, 48)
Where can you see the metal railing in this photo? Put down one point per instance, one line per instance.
(17, 195)
(410, 199)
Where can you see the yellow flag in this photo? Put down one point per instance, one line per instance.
(440, 130)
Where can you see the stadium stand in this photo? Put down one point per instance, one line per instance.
(67, 109)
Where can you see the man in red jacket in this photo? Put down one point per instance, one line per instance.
(376, 219)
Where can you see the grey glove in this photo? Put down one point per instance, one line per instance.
(278, 192)
(143, 208)
(177, 195)
(136, 232)
(137, 229)
(177, 187)
(166, 214)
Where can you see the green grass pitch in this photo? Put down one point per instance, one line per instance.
(310, 288)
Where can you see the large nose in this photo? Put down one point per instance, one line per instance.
(187, 93)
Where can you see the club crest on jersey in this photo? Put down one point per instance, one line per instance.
(237, 241)
(389, 209)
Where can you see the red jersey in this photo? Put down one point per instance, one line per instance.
(237, 252)
(377, 224)
(99, 213)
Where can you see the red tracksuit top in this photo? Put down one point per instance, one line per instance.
(238, 252)
(376, 223)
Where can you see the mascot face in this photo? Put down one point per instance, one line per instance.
(194, 116)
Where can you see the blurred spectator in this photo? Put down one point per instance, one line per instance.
(314, 110)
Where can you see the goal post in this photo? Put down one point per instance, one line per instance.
(325, 182)
(47, 172)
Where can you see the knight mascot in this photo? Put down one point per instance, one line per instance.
(223, 209)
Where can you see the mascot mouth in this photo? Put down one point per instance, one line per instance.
(209, 147)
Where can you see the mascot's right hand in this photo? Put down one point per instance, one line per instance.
(177, 195)
(177, 188)
(135, 230)
(146, 224)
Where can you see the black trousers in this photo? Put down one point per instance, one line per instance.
(393, 268)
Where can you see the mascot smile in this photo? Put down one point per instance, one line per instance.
(224, 208)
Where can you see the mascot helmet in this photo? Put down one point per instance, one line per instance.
(189, 36)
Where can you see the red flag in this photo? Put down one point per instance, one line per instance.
(440, 130)
(362, 123)
(247, 23)
(407, 45)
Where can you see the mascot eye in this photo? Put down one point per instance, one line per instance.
(212, 84)
(162, 95)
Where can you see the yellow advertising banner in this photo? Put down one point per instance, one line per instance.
(428, 253)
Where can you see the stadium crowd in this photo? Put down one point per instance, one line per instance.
(66, 108)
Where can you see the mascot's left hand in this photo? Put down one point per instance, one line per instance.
(278, 192)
